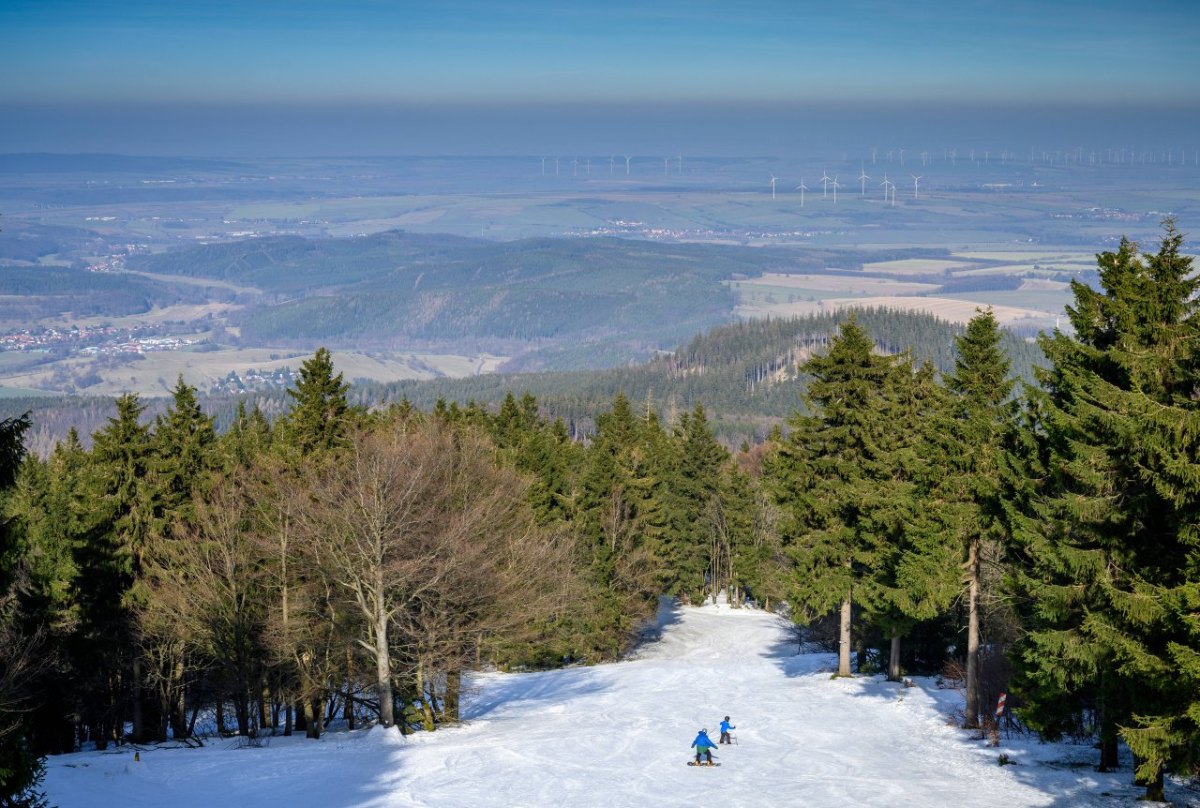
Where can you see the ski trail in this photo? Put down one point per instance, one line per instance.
(618, 735)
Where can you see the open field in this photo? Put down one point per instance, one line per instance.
(857, 284)
(155, 374)
(950, 309)
(914, 266)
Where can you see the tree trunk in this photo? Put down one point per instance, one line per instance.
(844, 640)
(313, 716)
(1109, 758)
(972, 685)
(220, 709)
(287, 716)
(301, 716)
(179, 723)
(383, 668)
(453, 688)
(1109, 731)
(1153, 785)
(349, 711)
(139, 728)
(426, 708)
(241, 711)
(894, 658)
(264, 706)
(191, 727)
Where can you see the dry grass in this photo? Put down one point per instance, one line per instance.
(914, 266)
(846, 284)
(955, 311)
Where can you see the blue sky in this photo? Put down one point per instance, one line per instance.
(539, 51)
(69, 63)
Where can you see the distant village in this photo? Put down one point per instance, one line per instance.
(254, 381)
(98, 340)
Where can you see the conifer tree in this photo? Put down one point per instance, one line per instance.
(110, 557)
(835, 480)
(184, 456)
(611, 526)
(21, 770)
(698, 513)
(318, 420)
(979, 417)
(1111, 539)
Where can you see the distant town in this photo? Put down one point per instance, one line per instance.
(99, 340)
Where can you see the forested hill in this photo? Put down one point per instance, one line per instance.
(536, 298)
(745, 374)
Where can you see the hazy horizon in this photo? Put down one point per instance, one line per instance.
(742, 130)
(469, 77)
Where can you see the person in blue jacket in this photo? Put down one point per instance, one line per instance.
(704, 746)
(725, 727)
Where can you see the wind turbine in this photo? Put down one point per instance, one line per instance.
(872, 155)
(916, 182)
(556, 166)
(862, 178)
(589, 166)
(627, 165)
(835, 184)
(543, 166)
(611, 160)
(902, 157)
(679, 157)
(774, 179)
(824, 184)
(666, 164)
(575, 167)
(886, 185)
(802, 188)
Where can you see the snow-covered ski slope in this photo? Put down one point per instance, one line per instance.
(618, 735)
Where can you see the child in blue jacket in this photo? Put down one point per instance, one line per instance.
(725, 727)
(704, 746)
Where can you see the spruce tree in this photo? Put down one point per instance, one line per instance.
(21, 770)
(698, 532)
(319, 418)
(110, 558)
(836, 481)
(979, 417)
(1110, 540)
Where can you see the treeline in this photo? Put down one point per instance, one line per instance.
(342, 563)
(748, 374)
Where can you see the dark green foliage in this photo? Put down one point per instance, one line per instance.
(1109, 535)
(318, 421)
(746, 375)
(184, 455)
(21, 770)
(968, 443)
(838, 479)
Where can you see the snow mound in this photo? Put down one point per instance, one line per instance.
(388, 736)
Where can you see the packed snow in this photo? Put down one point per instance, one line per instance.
(619, 735)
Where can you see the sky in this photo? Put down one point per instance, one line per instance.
(267, 66)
